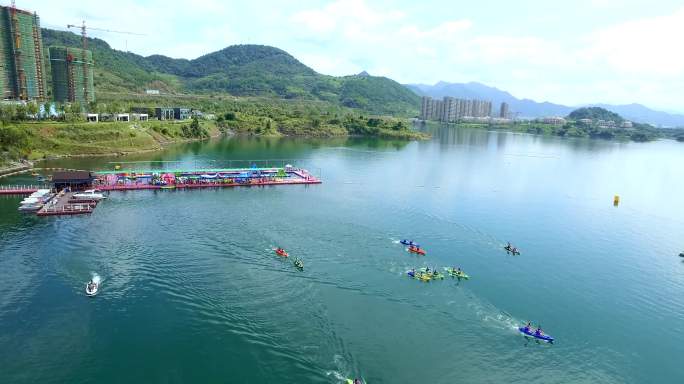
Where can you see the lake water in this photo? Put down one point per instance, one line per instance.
(192, 291)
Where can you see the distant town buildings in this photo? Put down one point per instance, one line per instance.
(503, 112)
(166, 113)
(451, 109)
(555, 120)
(605, 123)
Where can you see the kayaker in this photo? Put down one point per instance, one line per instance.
(539, 332)
(528, 327)
(509, 245)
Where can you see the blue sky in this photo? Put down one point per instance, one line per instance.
(584, 51)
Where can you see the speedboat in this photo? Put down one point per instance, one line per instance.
(92, 290)
(35, 201)
(30, 207)
(90, 194)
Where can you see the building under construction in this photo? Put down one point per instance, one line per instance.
(21, 55)
(72, 75)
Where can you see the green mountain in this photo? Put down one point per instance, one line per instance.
(240, 70)
(595, 113)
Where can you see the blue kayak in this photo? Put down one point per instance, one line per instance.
(409, 242)
(529, 333)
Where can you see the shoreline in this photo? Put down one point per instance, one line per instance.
(14, 169)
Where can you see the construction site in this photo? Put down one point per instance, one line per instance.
(23, 62)
(72, 75)
(22, 68)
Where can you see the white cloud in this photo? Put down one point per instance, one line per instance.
(611, 64)
(650, 46)
(638, 60)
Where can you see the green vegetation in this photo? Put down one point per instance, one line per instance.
(574, 128)
(595, 113)
(37, 140)
(23, 139)
(577, 130)
(241, 70)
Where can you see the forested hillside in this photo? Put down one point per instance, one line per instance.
(240, 70)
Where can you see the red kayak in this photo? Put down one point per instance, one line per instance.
(419, 251)
(281, 252)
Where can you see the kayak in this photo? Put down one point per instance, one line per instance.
(299, 264)
(681, 254)
(409, 242)
(516, 252)
(92, 292)
(424, 277)
(351, 381)
(529, 333)
(421, 275)
(432, 274)
(460, 275)
(419, 251)
(281, 252)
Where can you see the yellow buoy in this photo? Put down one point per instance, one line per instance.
(616, 200)
(117, 167)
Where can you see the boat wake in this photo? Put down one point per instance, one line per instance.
(342, 366)
(336, 375)
(96, 278)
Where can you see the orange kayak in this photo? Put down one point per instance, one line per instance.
(281, 252)
(419, 251)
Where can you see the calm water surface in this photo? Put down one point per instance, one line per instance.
(192, 292)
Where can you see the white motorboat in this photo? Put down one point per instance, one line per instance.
(92, 288)
(90, 194)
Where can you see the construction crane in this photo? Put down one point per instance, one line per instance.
(84, 37)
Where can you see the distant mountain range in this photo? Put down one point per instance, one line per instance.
(530, 108)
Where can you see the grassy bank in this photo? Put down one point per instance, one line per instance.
(38, 140)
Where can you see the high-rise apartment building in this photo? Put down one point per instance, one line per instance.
(72, 75)
(22, 69)
(503, 112)
(451, 109)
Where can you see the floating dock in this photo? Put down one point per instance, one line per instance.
(17, 190)
(201, 178)
(65, 204)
